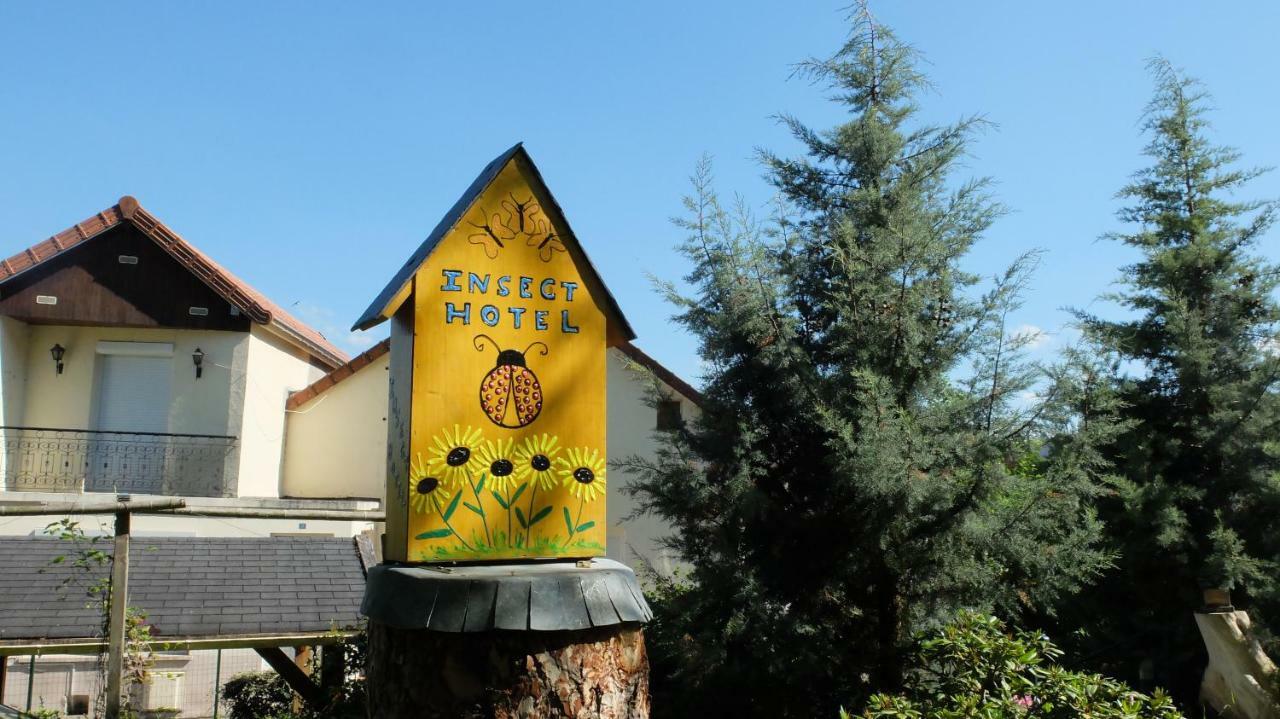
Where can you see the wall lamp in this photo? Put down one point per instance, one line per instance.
(58, 351)
(197, 358)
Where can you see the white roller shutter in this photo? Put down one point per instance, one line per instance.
(133, 393)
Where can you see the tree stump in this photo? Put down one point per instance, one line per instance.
(506, 641)
(585, 674)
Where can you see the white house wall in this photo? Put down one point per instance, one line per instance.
(336, 445)
(65, 401)
(274, 368)
(632, 427)
(246, 378)
(14, 338)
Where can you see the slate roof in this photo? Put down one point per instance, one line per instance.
(189, 587)
(379, 309)
(234, 290)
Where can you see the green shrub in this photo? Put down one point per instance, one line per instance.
(265, 695)
(257, 695)
(975, 668)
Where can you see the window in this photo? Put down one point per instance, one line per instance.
(669, 414)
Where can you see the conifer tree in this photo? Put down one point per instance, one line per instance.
(1199, 506)
(867, 460)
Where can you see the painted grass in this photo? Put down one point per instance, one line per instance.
(502, 548)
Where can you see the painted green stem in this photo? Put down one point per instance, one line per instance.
(450, 526)
(528, 530)
(480, 504)
(510, 531)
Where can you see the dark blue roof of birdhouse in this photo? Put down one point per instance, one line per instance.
(378, 310)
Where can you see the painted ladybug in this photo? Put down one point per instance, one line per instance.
(510, 394)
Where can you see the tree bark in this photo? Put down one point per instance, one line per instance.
(601, 672)
(889, 630)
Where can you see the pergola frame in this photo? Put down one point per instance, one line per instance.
(267, 646)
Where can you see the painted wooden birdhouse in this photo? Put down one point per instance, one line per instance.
(496, 425)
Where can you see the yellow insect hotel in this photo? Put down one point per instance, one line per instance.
(496, 425)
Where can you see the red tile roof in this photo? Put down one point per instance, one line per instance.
(317, 388)
(252, 303)
(638, 356)
(369, 356)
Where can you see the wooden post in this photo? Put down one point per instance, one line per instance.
(4, 672)
(302, 660)
(119, 604)
(217, 684)
(31, 680)
(297, 679)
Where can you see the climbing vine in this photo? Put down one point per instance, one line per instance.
(90, 572)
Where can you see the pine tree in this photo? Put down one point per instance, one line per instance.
(1199, 506)
(867, 460)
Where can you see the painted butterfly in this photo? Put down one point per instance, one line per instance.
(492, 234)
(520, 215)
(546, 240)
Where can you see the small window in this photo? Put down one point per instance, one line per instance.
(198, 311)
(46, 300)
(128, 259)
(669, 414)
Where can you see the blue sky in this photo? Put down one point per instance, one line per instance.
(311, 146)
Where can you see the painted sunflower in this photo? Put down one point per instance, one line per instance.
(427, 494)
(534, 459)
(454, 457)
(581, 470)
(496, 459)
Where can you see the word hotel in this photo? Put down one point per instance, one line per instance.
(523, 287)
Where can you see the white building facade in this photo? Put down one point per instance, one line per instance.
(132, 363)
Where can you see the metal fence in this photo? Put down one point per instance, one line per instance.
(41, 459)
(186, 685)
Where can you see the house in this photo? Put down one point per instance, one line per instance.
(133, 363)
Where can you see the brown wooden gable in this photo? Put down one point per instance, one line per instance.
(253, 304)
(93, 286)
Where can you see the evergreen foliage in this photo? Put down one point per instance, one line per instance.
(1199, 505)
(868, 460)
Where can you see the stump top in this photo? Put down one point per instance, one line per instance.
(551, 596)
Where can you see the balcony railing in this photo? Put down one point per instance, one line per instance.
(41, 459)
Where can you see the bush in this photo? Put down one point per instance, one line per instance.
(265, 695)
(257, 696)
(975, 668)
